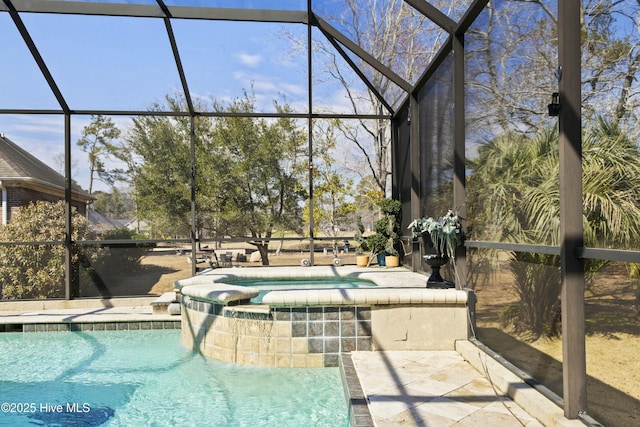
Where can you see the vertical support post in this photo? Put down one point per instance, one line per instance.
(571, 232)
(69, 285)
(5, 207)
(459, 154)
(194, 228)
(392, 165)
(310, 129)
(416, 170)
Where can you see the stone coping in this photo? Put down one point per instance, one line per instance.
(219, 292)
(507, 382)
(81, 303)
(365, 296)
(393, 286)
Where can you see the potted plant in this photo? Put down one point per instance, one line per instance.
(389, 227)
(377, 243)
(362, 258)
(392, 256)
(440, 238)
(386, 239)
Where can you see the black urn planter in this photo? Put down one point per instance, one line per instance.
(435, 261)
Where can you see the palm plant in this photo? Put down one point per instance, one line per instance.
(514, 197)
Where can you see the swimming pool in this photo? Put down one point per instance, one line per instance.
(264, 285)
(124, 378)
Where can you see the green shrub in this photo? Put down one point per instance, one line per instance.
(37, 271)
(120, 258)
(387, 235)
(363, 245)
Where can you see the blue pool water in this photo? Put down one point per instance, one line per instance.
(147, 378)
(266, 285)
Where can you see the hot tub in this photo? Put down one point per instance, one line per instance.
(264, 285)
(304, 320)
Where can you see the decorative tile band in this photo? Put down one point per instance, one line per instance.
(93, 326)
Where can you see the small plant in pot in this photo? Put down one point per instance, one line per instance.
(440, 237)
(392, 257)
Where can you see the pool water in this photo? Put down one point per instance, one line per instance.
(266, 285)
(127, 378)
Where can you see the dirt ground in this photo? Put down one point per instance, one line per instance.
(612, 340)
(612, 346)
(161, 268)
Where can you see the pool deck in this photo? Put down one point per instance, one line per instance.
(396, 388)
(444, 388)
(432, 388)
(83, 315)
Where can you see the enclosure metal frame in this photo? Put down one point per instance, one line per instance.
(571, 250)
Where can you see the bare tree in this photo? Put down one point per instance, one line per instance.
(397, 36)
(513, 66)
(59, 161)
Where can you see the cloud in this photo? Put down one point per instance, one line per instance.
(263, 84)
(248, 59)
(269, 85)
(34, 124)
(293, 89)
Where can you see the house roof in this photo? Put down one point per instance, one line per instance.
(101, 222)
(19, 167)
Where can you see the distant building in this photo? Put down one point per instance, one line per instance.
(139, 226)
(101, 223)
(25, 179)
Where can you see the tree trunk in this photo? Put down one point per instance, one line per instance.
(264, 252)
(628, 79)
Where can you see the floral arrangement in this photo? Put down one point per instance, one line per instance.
(445, 232)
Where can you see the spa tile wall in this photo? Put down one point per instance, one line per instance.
(329, 330)
(283, 337)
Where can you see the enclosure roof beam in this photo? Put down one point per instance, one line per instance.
(156, 11)
(176, 56)
(362, 54)
(433, 14)
(151, 113)
(357, 70)
(252, 15)
(472, 13)
(36, 55)
(438, 59)
(470, 16)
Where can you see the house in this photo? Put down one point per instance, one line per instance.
(25, 179)
(137, 225)
(101, 223)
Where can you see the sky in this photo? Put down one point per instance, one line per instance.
(123, 63)
(127, 64)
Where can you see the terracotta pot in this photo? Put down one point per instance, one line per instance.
(362, 260)
(392, 261)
